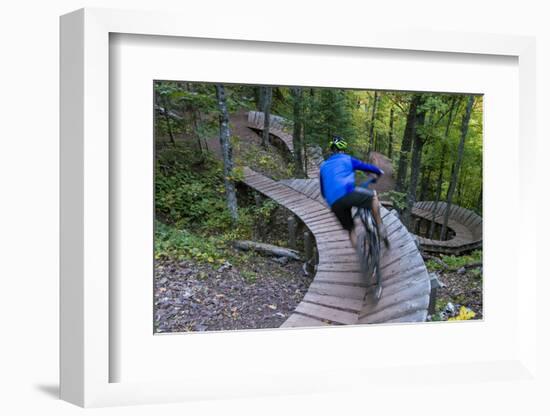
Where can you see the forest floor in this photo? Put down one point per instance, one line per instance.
(260, 293)
(460, 287)
(248, 291)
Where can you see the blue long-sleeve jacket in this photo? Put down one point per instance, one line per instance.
(338, 175)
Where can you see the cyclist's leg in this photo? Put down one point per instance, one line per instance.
(367, 198)
(342, 209)
(378, 218)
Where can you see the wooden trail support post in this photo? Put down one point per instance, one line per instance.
(292, 227)
(309, 265)
(258, 227)
(434, 285)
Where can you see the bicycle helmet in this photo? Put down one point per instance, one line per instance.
(338, 143)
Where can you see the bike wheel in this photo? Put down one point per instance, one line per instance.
(376, 276)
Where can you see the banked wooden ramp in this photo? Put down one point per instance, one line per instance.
(466, 224)
(337, 294)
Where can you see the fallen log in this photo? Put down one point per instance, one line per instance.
(268, 249)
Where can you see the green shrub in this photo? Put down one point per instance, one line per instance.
(182, 244)
(189, 190)
(456, 262)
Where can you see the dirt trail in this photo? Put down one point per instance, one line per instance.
(387, 181)
(238, 125)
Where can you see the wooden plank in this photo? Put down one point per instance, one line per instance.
(469, 218)
(406, 257)
(300, 201)
(418, 316)
(324, 312)
(297, 320)
(331, 245)
(316, 194)
(312, 187)
(314, 228)
(281, 192)
(329, 229)
(395, 286)
(343, 291)
(389, 300)
(264, 188)
(348, 278)
(339, 267)
(341, 258)
(320, 219)
(399, 310)
(462, 214)
(331, 237)
(399, 256)
(413, 271)
(328, 255)
(476, 221)
(260, 182)
(314, 210)
(352, 305)
(299, 204)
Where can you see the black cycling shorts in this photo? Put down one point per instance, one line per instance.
(359, 197)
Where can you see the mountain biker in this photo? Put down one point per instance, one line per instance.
(337, 179)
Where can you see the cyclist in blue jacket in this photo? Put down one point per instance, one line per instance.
(337, 181)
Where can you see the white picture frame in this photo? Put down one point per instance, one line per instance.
(85, 265)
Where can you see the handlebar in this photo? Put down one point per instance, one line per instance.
(368, 182)
(372, 179)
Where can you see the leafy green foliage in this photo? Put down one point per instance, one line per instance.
(399, 199)
(455, 262)
(182, 244)
(192, 216)
(189, 190)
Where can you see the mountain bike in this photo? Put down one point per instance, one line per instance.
(368, 246)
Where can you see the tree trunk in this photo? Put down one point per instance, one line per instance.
(259, 98)
(425, 183)
(456, 170)
(415, 166)
(164, 112)
(297, 133)
(372, 118)
(390, 138)
(480, 201)
(406, 144)
(459, 189)
(442, 159)
(225, 144)
(437, 193)
(196, 129)
(267, 115)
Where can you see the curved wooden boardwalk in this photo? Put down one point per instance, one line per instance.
(337, 294)
(467, 225)
(279, 128)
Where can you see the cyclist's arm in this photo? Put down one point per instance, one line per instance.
(365, 167)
